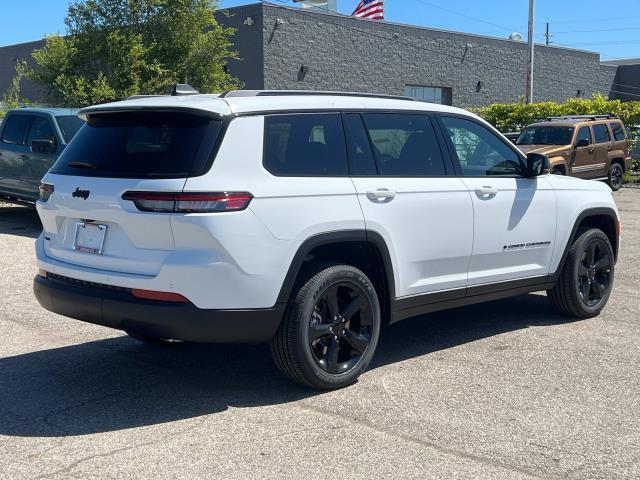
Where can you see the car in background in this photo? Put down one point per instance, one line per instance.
(31, 139)
(512, 136)
(594, 147)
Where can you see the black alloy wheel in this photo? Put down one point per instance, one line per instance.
(586, 280)
(616, 176)
(594, 273)
(330, 332)
(340, 330)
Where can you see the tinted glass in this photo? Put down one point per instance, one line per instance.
(15, 128)
(69, 125)
(618, 131)
(305, 145)
(601, 132)
(404, 145)
(41, 129)
(361, 160)
(584, 134)
(545, 136)
(138, 145)
(480, 151)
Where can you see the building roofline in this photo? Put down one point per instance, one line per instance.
(22, 43)
(417, 27)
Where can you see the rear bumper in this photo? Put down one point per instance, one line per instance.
(118, 309)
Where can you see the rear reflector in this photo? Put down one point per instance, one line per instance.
(160, 296)
(46, 189)
(42, 273)
(189, 202)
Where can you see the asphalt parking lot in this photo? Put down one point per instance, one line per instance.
(502, 390)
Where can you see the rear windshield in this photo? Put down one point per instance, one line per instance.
(140, 145)
(69, 125)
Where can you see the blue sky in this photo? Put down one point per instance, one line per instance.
(583, 24)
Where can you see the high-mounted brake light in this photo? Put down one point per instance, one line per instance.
(46, 189)
(189, 202)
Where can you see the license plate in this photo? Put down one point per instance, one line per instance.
(89, 237)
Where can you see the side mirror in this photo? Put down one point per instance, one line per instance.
(43, 146)
(537, 164)
(583, 142)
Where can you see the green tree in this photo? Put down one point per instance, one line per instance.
(117, 48)
(11, 97)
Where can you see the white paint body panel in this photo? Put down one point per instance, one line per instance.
(522, 212)
(440, 234)
(428, 228)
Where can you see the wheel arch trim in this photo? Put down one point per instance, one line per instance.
(585, 214)
(327, 238)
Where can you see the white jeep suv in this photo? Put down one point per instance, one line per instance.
(308, 220)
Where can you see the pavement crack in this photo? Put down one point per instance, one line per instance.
(427, 444)
(115, 451)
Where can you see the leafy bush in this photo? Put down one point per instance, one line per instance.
(510, 117)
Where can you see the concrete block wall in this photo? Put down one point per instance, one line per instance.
(357, 55)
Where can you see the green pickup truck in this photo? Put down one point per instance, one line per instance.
(31, 139)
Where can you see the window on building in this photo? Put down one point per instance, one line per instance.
(618, 131)
(479, 151)
(441, 95)
(404, 145)
(601, 132)
(15, 128)
(305, 144)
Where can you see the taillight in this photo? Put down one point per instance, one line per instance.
(46, 189)
(189, 202)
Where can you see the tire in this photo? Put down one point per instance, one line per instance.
(578, 276)
(615, 176)
(557, 171)
(327, 344)
(158, 342)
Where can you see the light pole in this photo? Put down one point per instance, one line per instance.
(529, 92)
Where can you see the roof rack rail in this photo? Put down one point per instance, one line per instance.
(285, 93)
(606, 116)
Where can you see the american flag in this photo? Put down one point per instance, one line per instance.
(369, 9)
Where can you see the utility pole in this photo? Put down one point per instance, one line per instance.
(547, 35)
(528, 98)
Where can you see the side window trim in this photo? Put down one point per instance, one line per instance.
(347, 134)
(452, 151)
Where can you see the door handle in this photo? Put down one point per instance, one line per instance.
(487, 190)
(590, 150)
(381, 194)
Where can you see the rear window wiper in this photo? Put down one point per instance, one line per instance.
(87, 165)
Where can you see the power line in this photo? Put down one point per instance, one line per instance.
(444, 54)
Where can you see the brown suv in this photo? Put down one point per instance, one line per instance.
(584, 146)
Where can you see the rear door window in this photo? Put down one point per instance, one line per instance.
(618, 131)
(404, 145)
(601, 133)
(140, 145)
(15, 128)
(305, 145)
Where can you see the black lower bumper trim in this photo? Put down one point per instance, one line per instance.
(180, 321)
